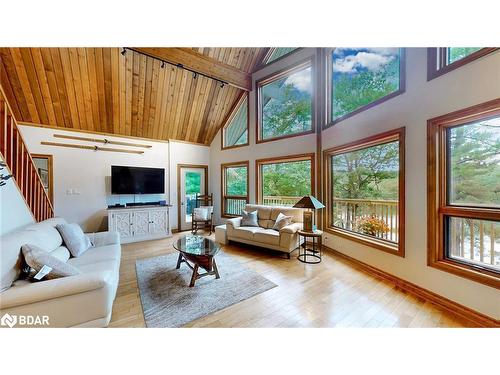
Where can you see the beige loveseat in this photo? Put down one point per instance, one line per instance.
(84, 300)
(286, 240)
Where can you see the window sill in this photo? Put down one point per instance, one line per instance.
(264, 140)
(235, 146)
(394, 249)
(469, 272)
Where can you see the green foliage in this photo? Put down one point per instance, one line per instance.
(236, 181)
(291, 179)
(475, 163)
(289, 112)
(193, 182)
(458, 53)
(370, 173)
(353, 91)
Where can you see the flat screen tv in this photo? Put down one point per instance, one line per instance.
(136, 180)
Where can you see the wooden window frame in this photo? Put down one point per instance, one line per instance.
(329, 86)
(223, 194)
(375, 140)
(437, 60)
(309, 62)
(280, 159)
(232, 113)
(270, 52)
(437, 206)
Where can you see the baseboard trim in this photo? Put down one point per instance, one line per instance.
(462, 311)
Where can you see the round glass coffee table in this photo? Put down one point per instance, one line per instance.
(199, 251)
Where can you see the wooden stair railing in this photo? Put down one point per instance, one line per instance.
(20, 164)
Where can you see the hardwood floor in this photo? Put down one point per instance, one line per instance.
(334, 293)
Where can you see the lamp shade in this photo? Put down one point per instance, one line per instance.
(309, 202)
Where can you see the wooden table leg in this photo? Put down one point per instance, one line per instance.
(215, 269)
(179, 261)
(194, 276)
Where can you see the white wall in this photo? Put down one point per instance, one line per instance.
(284, 147)
(471, 84)
(89, 172)
(14, 213)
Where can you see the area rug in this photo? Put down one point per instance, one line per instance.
(168, 301)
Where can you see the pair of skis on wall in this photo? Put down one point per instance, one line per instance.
(97, 148)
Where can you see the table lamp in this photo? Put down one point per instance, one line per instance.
(312, 204)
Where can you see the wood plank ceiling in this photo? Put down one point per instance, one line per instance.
(100, 90)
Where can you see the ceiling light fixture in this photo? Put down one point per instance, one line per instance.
(163, 64)
(123, 52)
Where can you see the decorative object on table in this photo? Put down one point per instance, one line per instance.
(312, 204)
(310, 254)
(168, 302)
(308, 221)
(202, 214)
(201, 252)
(249, 219)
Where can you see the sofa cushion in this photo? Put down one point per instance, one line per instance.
(295, 213)
(47, 236)
(36, 258)
(267, 236)
(246, 233)
(97, 254)
(74, 238)
(11, 258)
(249, 219)
(61, 253)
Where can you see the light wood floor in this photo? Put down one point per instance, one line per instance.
(334, 293)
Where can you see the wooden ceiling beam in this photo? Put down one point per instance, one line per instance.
(202, 64)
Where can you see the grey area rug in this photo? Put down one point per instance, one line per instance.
(168, 301)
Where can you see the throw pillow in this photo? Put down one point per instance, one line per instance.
(282, 221)
(37, 259)
(75, 240)
(249, 219)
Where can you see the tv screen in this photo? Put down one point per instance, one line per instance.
(135, 180)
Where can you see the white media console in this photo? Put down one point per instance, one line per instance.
(140, 223)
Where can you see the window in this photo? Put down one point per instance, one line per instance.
(464, 193)
(235, 132)
(283, 181)
(277, 53)
(365, 191)
(363, 77)
(285, 104)
(234, 188)
(445, 59)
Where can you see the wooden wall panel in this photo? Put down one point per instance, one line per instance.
(100, 90)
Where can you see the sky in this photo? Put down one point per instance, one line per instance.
(351, 61)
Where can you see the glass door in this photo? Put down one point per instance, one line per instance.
(192, 182)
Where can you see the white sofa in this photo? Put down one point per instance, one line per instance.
(286, 240)
(84, 300)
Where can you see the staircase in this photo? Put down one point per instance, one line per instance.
(20, 164)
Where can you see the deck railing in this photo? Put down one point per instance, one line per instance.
(20, 164)
(347, 212)
(475, 240)
(280, 200)
(234, 204)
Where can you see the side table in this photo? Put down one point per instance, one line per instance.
(310, 255)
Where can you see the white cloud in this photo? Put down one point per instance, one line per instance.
(368, 60)
(301, 80)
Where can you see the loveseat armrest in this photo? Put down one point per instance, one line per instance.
(104, 238)
(54, 288)
(292, 228)
(235, 222)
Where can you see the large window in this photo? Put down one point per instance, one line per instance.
(365, 191)
(445, 59)
(363, 77)
(283, 181)
(277, 53)
(235, 131)
(285, 104)
(464, 192)
(234, 188)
